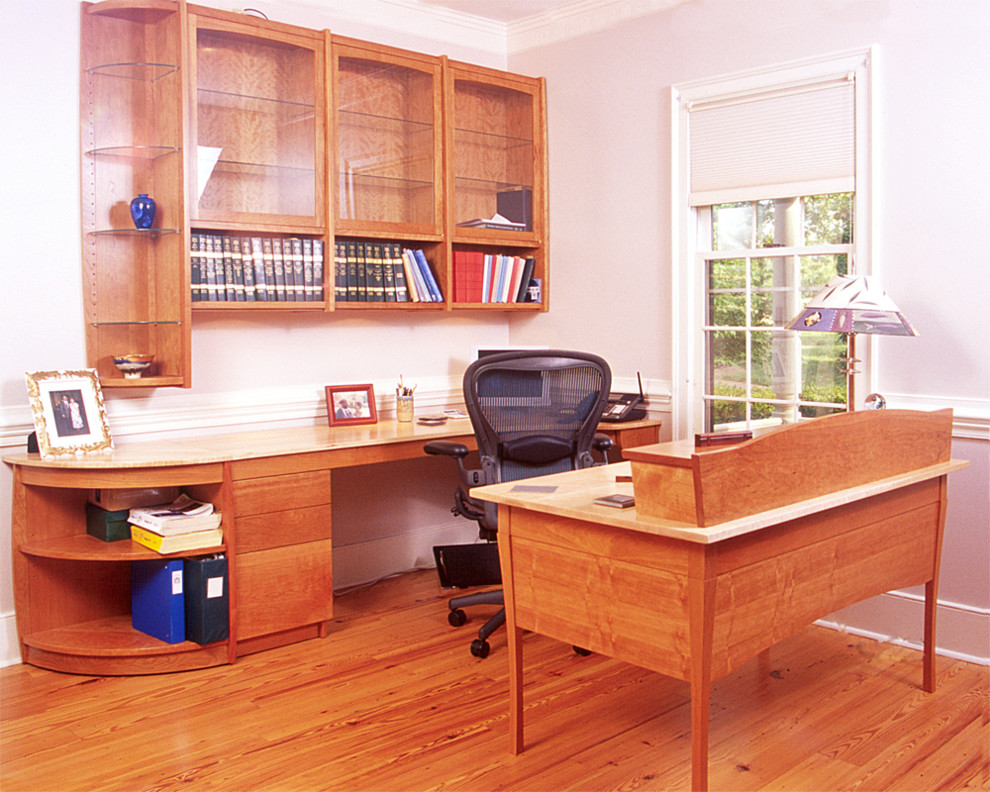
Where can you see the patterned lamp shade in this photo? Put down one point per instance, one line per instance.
(853, 304)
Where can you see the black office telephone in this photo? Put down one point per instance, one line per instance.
(625, 406)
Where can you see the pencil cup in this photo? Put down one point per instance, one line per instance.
(403, 407)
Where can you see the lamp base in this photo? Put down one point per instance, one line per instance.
(874, 402)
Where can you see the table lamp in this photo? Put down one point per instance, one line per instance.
(854, 304)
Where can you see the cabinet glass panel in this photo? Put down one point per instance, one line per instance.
(256, 122)
(493, 156)
(386, 143)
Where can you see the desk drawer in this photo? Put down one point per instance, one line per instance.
(283, 588)
(290, 527)
(281, 493)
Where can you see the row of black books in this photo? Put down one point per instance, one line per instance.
(255, 269)
(368, 271)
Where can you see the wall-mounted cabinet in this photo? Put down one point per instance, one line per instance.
(270, 151)
(496, 172)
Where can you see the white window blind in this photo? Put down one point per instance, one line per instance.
(797, 139)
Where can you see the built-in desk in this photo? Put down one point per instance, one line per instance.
(72, 591)
(727, 551)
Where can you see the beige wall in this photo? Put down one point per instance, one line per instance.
(611, 293)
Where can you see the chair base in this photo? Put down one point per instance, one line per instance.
(480, 646)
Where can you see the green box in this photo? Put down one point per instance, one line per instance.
(108, 526)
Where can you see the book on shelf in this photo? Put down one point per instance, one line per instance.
(307, 257)
(317, 293)
(183, 515)
(491, 278)
(195, 276)
(158, 599)
(207, 601)
(278, 266)
(177, 543)
(496, 221)
(230, 268)
(340, 271)
(382, 272)
(398, 272)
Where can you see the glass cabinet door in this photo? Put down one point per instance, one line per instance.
(387, 134)
(496, 141)
(258, 125)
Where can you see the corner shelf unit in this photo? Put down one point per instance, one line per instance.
(76, 626)
(132, 98)
(242, 128)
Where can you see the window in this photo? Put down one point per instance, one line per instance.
(771, 197)
(763, 260)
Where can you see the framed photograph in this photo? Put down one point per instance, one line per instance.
(70, 417)
(351, 404)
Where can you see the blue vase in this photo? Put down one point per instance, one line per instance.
(143, 211)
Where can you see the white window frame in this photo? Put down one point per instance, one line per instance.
(688, 278)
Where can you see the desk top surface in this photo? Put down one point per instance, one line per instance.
(225, 447)
(213, 448)
(571, 495)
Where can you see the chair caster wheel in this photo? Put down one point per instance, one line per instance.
(456, 618)
(582, 651)
(480, 648)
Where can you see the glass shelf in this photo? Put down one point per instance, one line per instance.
(288, 110)
(140, 322)
(133, 152)
(135, 232)
(381, 123)
(492, 139)
(144, 72)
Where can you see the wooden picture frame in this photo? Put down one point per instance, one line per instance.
(348, 405)
(70, 417)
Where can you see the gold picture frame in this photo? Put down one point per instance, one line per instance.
(70, 418)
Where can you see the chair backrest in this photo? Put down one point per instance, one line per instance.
(535, 412)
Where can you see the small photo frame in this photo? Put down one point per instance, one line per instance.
(70, 417)
(351, 404)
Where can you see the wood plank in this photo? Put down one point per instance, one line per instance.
(392, 700)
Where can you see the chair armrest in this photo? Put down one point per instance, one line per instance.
(447, 448)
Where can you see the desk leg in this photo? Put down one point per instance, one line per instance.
(514, 633)
(931, 592)
(515, 690)
(702, 621)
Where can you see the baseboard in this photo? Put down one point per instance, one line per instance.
(10, 650)
(962, 632)
(365, 562)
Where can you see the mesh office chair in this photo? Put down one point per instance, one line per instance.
(533, 413)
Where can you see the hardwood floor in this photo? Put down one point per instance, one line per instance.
(392, 700)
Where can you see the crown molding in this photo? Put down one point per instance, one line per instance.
(416, 18)
(408, 17)
(578, 18)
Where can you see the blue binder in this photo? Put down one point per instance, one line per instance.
(157, 600)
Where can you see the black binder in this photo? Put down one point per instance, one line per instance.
(207, 599)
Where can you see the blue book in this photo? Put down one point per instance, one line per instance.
(431, 283)
(157, 600)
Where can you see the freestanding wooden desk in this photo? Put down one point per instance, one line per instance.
(727, 551)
